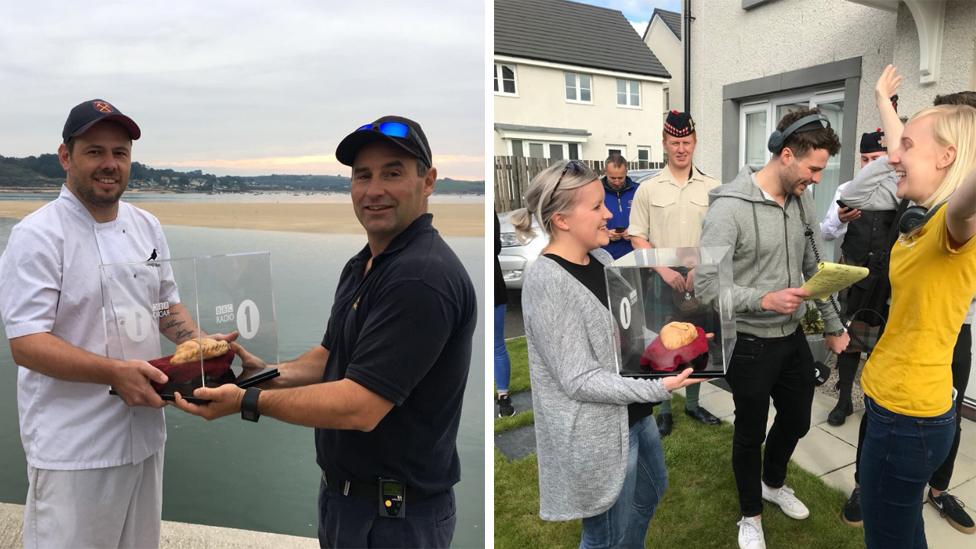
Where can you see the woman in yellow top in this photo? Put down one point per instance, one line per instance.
(908, 381)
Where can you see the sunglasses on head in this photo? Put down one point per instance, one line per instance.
(576, 166)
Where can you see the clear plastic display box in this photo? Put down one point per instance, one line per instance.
(700, 329)
(150, 305)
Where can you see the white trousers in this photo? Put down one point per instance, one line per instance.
(114, 507)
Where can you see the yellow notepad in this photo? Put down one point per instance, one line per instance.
(833, 277)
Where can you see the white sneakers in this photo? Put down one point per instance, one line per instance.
(751, 533)
(784, 497)
(750, 528)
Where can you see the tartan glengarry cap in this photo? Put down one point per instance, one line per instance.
(88, 113)
(679, 124)
(873, 142)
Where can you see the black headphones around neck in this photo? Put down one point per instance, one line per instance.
(778, 138)
(915, 217)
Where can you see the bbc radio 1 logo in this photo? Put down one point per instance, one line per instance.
(139, 323)
(247, 317)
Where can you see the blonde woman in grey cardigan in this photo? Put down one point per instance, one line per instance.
(588, 440)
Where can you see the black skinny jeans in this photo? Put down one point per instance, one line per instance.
(962, 360)
(781, 368)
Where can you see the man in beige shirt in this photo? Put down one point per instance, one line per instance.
(667, 212)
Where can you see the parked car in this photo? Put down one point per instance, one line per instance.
(516, 256)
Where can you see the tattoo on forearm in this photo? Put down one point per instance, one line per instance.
(174, 325)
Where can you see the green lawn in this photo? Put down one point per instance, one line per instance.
(699, 510)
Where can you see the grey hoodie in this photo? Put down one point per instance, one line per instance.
(770, 252)
(873, 188)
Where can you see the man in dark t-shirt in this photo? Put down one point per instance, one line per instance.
(384, 388)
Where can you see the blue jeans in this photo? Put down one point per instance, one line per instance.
(899, 455)
(503, 366)
(625, 523)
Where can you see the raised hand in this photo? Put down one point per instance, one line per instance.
(887, 85)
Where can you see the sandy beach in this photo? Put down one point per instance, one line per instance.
(318, 217)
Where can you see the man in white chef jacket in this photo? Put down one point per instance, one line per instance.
(94, 460)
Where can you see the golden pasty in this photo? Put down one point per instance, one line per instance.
(197, 349)
(677, 334)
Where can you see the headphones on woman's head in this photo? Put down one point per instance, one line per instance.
(777, 139)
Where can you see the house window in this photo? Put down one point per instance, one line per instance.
(556, 151)
(643, 158)
(574, 151)
(628, 93)
(755, 133)
(505, 79)
(550, 150)
(578, 87)
(667, 101)
(617, 149)
(758, 120)
(517, 147)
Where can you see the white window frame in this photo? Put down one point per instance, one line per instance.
(638, 160)
(501, 89)
(578, 88)
(666, 92)
(770, 106)
(752, 108)
(526, 143)
(622, 148)
(627, 87)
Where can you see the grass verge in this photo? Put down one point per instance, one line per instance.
(700, 508)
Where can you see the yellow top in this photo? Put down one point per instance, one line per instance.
(932, 284)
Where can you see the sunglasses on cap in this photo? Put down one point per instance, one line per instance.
(394, 129)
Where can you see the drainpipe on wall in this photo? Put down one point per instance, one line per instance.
(686, 37)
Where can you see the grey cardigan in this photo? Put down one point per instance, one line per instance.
(579, 400)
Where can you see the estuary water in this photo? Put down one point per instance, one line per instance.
(263, 476)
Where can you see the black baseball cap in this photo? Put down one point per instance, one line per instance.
(396, 130)
(87, 114)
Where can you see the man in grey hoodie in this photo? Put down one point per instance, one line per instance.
(769, 222)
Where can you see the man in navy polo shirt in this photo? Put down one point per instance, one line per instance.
(384, 388)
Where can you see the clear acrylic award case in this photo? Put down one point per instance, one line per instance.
(642, 303)
(149, 304)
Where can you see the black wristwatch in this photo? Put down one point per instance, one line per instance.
(249, 404)
(837, 333)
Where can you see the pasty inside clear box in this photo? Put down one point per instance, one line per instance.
(698, 322)
(147, 305)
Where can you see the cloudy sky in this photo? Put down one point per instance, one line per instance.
(247, 86)
(638, 12)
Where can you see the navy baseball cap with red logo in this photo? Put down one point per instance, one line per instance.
(87, 114)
